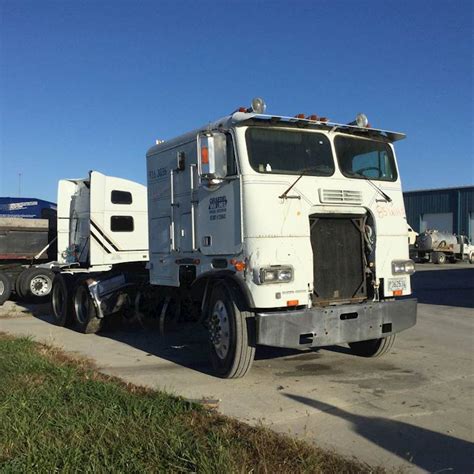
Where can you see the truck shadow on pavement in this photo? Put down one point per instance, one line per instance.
(187, 346)
(429, 450)
(445, 287)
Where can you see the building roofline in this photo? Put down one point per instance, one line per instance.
(439, 189)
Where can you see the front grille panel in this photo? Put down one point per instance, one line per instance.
(338, 261)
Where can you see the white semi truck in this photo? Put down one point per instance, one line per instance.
(271, 230)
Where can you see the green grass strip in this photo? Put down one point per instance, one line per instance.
(59, 415)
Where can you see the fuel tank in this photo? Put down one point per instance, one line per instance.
(434, 240)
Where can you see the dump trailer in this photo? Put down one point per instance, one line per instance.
(270, 230)
(440, 247)
(27, 244)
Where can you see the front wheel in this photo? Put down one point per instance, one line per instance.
(373, 347)
(85, 312)
(232, 335)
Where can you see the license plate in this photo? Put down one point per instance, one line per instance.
(395, 284)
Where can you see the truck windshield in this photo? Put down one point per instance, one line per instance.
(359, 158)
(273, 150)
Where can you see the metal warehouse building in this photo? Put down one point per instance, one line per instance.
(448, 209)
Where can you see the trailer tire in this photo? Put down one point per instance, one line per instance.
(18, 284)
(61, 299)
(232, 335)
(471, 258)
(36, 283)
(5, 288)
(373, 347)
(84, 311)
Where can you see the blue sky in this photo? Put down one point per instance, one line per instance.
(91, 84)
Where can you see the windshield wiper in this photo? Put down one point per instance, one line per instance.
(383, 194)
(306, 170)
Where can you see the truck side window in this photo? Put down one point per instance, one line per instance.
(231, 163)
(121, 197)
(121, 224)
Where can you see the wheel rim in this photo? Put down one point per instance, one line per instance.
(58, 300)
(82, 304)
(219, 329)
(2, 288)
(40, 285)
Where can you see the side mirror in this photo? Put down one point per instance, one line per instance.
(212, 155)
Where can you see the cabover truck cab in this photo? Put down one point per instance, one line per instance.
(102, 248)
(289, 231)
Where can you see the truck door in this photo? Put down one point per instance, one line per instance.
(219, 226)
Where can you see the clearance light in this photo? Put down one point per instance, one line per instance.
(205, 155)
(313, 117)
(302, 116)
(292, 303)
(323, 119)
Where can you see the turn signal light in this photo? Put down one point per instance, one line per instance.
(238, 265)
(397, 292)
(292, 303)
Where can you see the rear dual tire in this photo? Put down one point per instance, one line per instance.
(61, 299)
(85, 312)
(73, 305)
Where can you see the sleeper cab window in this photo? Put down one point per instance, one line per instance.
(121, 197)
(121, 224)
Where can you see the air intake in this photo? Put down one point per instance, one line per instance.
(340, 196)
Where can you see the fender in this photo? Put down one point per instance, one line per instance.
(202, 287)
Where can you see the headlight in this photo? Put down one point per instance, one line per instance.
(403, 267)
(275, 274)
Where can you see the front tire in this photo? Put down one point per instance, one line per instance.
(373, 347)
(232, 335)
(85, 313)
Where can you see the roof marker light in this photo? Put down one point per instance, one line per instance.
(302, 116)
(313, 117)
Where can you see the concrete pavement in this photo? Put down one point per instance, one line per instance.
(413, 408)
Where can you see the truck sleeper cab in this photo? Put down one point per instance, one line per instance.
(102, 249)
(289, 231)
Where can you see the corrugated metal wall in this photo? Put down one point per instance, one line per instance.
(459, 201)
